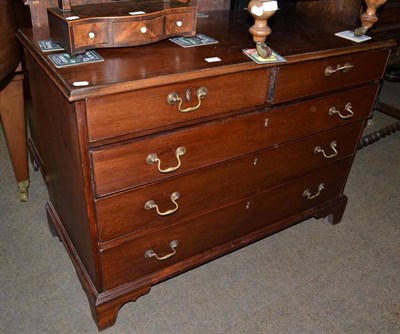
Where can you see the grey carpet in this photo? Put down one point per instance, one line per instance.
(311, 278)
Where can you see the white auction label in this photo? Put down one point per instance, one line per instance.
(270, 5)
(257, 11)
(70, 18)
(212, 59)
(139, 12)
(80, 83)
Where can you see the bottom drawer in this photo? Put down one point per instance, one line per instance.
(127, 261)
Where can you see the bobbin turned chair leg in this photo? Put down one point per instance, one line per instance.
(392, 74)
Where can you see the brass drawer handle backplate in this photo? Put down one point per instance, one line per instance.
(345, 68)
(150, 253)
(333, 145)
(174, 97)
(152, 158)
(348, 107)
(149, 205)
(307, 192)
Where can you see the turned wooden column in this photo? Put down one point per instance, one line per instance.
(261, 10)
(369, 18)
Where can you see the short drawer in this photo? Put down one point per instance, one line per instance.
(89, 35)
(134, 163)
(180, 24)
(176, 198)
(138, 32)
(146, 109)
(126, 262)
(305, 79)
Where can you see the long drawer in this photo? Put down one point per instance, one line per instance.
(131, 260)
(152, 108)
(299, 80)
(128, 165)
(175, 198)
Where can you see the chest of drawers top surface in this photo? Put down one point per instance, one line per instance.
(161, 63)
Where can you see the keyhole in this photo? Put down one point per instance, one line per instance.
(188, 94)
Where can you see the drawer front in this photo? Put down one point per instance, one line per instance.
(126, 262)
(180, 24)
(138, 32)
(300, 80)
(136, 162)
(91, 34)
(147, 109)
(210, 187)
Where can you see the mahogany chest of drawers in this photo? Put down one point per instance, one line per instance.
(161, 164)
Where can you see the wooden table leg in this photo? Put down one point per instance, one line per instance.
(14, 126)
